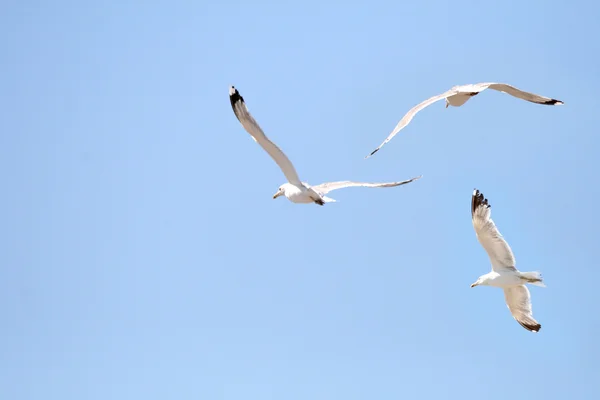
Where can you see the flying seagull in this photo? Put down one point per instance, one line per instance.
(295, 190)
(504, 274)
(459, 95)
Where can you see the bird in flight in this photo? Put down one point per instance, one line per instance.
(459, 95)
(504, 274)
(294, 190)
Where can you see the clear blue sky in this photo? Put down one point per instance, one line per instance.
(143, 256)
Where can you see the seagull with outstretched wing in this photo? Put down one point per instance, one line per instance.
(294, 190)
(458, 95)
(504, 274)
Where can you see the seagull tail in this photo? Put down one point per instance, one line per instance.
(535, 278)
(329, 200)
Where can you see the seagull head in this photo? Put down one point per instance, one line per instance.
(482, 280)
(280, 192)
(447, 102)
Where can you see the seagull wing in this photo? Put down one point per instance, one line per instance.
(251, 126)
(498, 250)
(410, 114)
(518, 301)
(325, 188)
(532, 97)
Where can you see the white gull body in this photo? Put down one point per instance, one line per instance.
(294, 190)
(459, 95)
(504, 274)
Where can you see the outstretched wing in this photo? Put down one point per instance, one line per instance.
(251, 126)
(518, 301)
(410, 114)
(325, 188)
(488, 235)
(532, 97)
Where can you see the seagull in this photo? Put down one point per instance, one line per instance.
(459, 95)
(504, 274)
(294, 190)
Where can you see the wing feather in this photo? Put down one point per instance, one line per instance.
(499, 252)
(325, 188)
(251, 126)
(518, 301)
(410, 114)
(531, 97)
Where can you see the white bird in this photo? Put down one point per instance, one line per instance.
(504, 274)
(295, 190)
(458, 95)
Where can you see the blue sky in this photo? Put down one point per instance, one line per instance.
(144, 258)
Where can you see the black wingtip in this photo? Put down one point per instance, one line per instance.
(373, 152)
(478, 200)
(553, 102)
(234, 96)
(531, 327)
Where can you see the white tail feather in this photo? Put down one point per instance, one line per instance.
(534, 278)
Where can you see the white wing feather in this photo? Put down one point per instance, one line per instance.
(409, 116)
(518, 301)
(251, 126)
(499, 252)
(531, 97)
(325, 188)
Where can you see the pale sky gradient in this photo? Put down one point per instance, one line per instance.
(144, 258)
